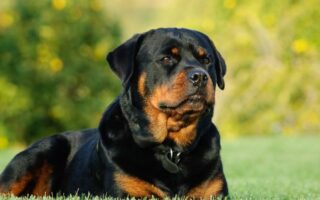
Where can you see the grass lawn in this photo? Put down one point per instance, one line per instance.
(6, 155)
(273, 168)
(264, 168)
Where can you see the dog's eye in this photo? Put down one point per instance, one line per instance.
(167, 60)
(205, 60)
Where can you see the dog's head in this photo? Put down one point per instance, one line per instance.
(172, 75)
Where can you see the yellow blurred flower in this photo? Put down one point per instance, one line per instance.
(56, 65)
(230, 4)
(59, 4)
(95, 5)
(46, 32)
(6, 20)
(3, 142)
(57, 112)
(100, 50)
(300, 46)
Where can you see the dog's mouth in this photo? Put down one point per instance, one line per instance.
(192, 103)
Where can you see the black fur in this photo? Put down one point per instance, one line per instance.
(86, 161)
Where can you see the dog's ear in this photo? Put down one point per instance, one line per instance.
(219, 64)
(220, 67)
(122, 59)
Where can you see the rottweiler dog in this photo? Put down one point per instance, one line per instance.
(156, 138)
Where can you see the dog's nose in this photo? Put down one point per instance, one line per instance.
(198, 77)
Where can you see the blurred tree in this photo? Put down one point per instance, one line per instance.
(274, 66)
(53, 74)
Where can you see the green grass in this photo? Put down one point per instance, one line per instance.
(273, 168)
(264, 168)
(6, 155)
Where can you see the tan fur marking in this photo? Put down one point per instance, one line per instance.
(175, 51)
(141, 84)
(210, 92)
(157, 119)
(170, 93)
(42, 182)
(135, 187)
(202, 52)
(158, 122)
(43, 185)
(174, 123)
(184, 136)
(20, 185)
(207, 189)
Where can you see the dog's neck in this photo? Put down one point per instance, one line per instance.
(167, 151)
(181, 128)
(152, 127)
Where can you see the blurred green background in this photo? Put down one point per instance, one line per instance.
(53, 74)
(53, 77)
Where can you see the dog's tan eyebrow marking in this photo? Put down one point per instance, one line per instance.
(141, 84)
(201, 52)
(175, 51)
